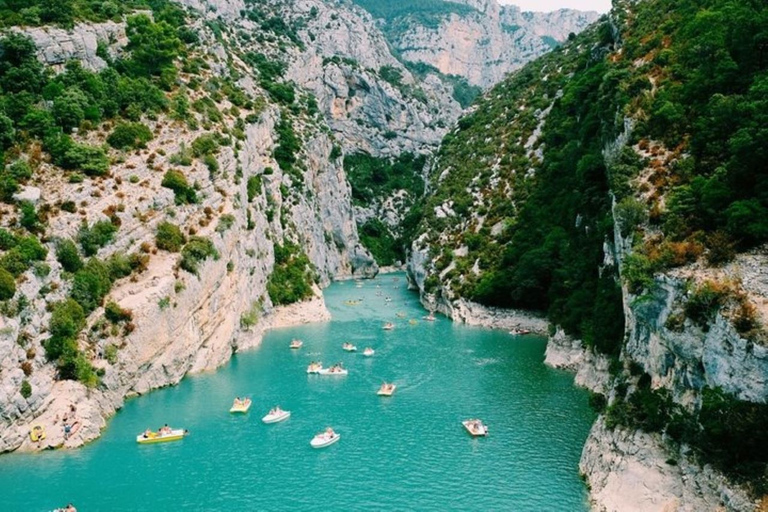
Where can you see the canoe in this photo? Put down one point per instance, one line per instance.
(242, 407)
(37, 433)
(386, 392)
(323, 440)
(475, 432)
(327, 371)
(275, 418)
(154, 437)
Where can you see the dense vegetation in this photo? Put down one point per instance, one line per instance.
(292, 278)
(372, 177)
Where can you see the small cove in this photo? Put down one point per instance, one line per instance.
(404, 452)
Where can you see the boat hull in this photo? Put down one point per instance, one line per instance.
(321, 442)
(384, 392)
(475, 433)
(326, 371)
(174, 435)
(271, 418)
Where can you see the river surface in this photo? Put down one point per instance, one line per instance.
(407, 452)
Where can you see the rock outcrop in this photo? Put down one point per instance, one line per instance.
(486, 43)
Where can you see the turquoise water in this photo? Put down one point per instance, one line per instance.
(407, 452)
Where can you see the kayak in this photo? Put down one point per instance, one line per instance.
(241, 407)
(276, 417)
(475, 427)
(155, 437)
(322, 440)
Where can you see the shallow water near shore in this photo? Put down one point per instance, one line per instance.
(406, 452)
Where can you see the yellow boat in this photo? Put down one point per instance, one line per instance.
(37, 433)
(157, 437)
(242, 407)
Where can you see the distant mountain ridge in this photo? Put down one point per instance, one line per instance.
(478, 40)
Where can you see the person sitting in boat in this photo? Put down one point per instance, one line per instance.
(165, 429)
(329, 432)
(147, 433)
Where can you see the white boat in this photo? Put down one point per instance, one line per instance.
(368, 352)
(161, 436)
(349, 347)
(296, 344)
(430, 317)
(276, 415)
(314, 367)
(241, 405)
(475, 427)
(386, 389)
(324, 439)
(333, 370)
(388, 326)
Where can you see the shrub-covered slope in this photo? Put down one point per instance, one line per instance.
(621, 179)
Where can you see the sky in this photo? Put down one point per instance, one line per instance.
(552, 5)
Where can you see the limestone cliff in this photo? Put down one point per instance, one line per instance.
(484, 42)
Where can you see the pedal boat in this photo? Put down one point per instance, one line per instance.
(296, 344)
(324, 439)
(314, 368)
(476, 428)
(276, 416)
(349, 347)
(241, 407)
(386, 389)
(368, 352)
(176, 434)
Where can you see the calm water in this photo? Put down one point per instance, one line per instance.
(407, 452)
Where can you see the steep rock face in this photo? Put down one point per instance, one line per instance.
(57, 46)
(630, 471)
(181, 322)
(486, 44)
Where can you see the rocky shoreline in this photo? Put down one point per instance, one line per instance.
(86, 411)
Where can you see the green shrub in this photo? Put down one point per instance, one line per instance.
(129, 136)
(26, 389)
(97, 236)
(177, 182)
(253, 187)
(68, 255)
(198, 249)
(67, 320)
(91, 284)
(292, 277)
(169, 237)
(7, 285)
(207, 144)
(116, 314)
(110, 353)
(704, 303)
(226, 222)
(7, 240)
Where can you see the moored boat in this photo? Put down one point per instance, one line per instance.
(163, 435)
(430, 317)
(349, 347)
(37, 433)
(296, 344)
(240, 406)
(386, 389)
(314, 367)
(475, 427)
(325, 438)
(276, 415)
(368, 352)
